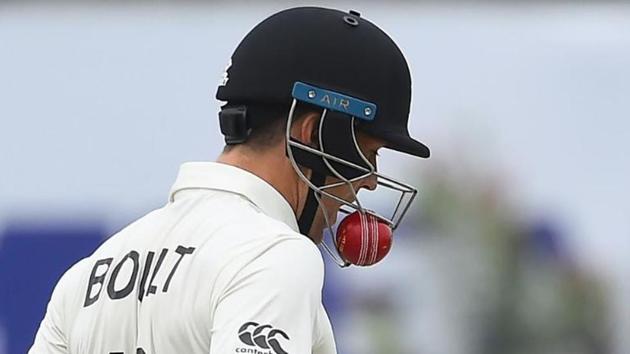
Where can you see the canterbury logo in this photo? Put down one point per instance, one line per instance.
(261, 336)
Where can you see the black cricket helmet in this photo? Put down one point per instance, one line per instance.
(341, 63)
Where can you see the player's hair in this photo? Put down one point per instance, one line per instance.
(269, 125)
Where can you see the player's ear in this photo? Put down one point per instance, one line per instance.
(306, 129)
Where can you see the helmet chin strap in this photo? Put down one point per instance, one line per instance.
(337, 154)
(305, 221)
(311, 205)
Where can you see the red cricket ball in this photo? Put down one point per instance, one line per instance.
(363, 239)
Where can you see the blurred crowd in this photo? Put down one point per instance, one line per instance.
(470, 274)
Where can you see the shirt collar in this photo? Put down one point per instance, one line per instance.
(223, 177)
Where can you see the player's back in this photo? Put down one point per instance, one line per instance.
(152, 287)
(221, 268)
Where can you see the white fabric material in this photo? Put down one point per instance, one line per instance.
(221, 268)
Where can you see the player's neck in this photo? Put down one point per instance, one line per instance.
(273, 167)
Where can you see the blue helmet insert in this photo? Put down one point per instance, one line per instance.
(334, 101)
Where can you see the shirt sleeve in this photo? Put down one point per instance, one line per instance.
(272, 304)
(325, 341)
(51, 337)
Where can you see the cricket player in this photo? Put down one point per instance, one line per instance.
(231, 263)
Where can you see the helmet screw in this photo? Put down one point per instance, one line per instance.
(367, 111)
(311, 94)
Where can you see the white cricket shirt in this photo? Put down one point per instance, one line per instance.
(222, 268)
